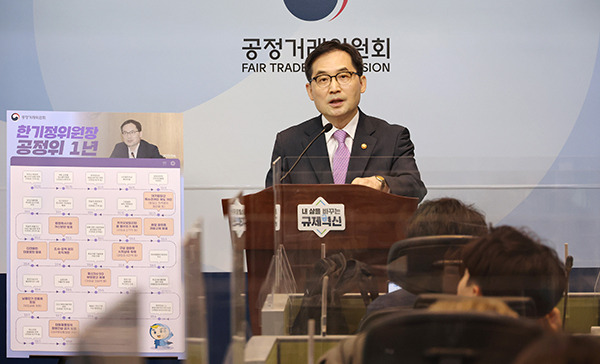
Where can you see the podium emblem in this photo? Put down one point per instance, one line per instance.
(237, 218)
(321, 217)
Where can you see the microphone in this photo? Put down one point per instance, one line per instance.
(326, 128)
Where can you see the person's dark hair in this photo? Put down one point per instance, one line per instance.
(512, 262)
(134, 122)
(330, 46)
(561, 349)
(446, 216)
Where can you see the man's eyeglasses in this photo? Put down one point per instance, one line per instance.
(343, 78)
(129, 132)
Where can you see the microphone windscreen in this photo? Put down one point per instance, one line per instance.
(328, 127)
(569, 263)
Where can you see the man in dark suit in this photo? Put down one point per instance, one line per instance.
(133, 146)
(381, 154)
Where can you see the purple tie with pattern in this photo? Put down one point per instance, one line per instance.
(341, 157)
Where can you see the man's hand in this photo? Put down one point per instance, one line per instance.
(372, 182)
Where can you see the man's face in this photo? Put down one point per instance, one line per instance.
(337, 103)
(131, 136)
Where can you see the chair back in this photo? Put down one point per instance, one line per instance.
(428, 264)
(424, 337)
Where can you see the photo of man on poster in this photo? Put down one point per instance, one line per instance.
(133, 146)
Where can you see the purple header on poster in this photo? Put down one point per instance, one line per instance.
(96, 162)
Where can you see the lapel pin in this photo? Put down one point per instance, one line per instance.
(363, 146)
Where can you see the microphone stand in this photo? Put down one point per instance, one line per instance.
(568, 267)
(326, 128)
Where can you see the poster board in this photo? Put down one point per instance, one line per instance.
(86, 232)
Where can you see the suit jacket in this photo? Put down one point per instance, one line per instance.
(146, 150)
(389, 152)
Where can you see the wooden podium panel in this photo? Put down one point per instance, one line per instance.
(374, 221)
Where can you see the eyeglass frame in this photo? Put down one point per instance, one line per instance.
(132, 132)
(334, 76)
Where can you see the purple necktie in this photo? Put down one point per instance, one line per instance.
(341, 157)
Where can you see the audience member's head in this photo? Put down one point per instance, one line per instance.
(474, 304)
(562, 349)
(446, 216)
(511, 262)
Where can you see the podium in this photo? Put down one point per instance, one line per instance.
(374, 221)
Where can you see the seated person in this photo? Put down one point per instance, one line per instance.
(443, 216)
(504, 262)
(510, 262)
(446, 216)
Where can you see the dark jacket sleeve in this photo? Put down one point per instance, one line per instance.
(404, 178)
(278, 152)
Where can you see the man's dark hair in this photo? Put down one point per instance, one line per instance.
(137, 124)
(446, 216)
(330, 46)
(512, 262)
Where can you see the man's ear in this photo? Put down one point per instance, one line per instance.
(363, 83)
(553, 320)
(309, 92)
